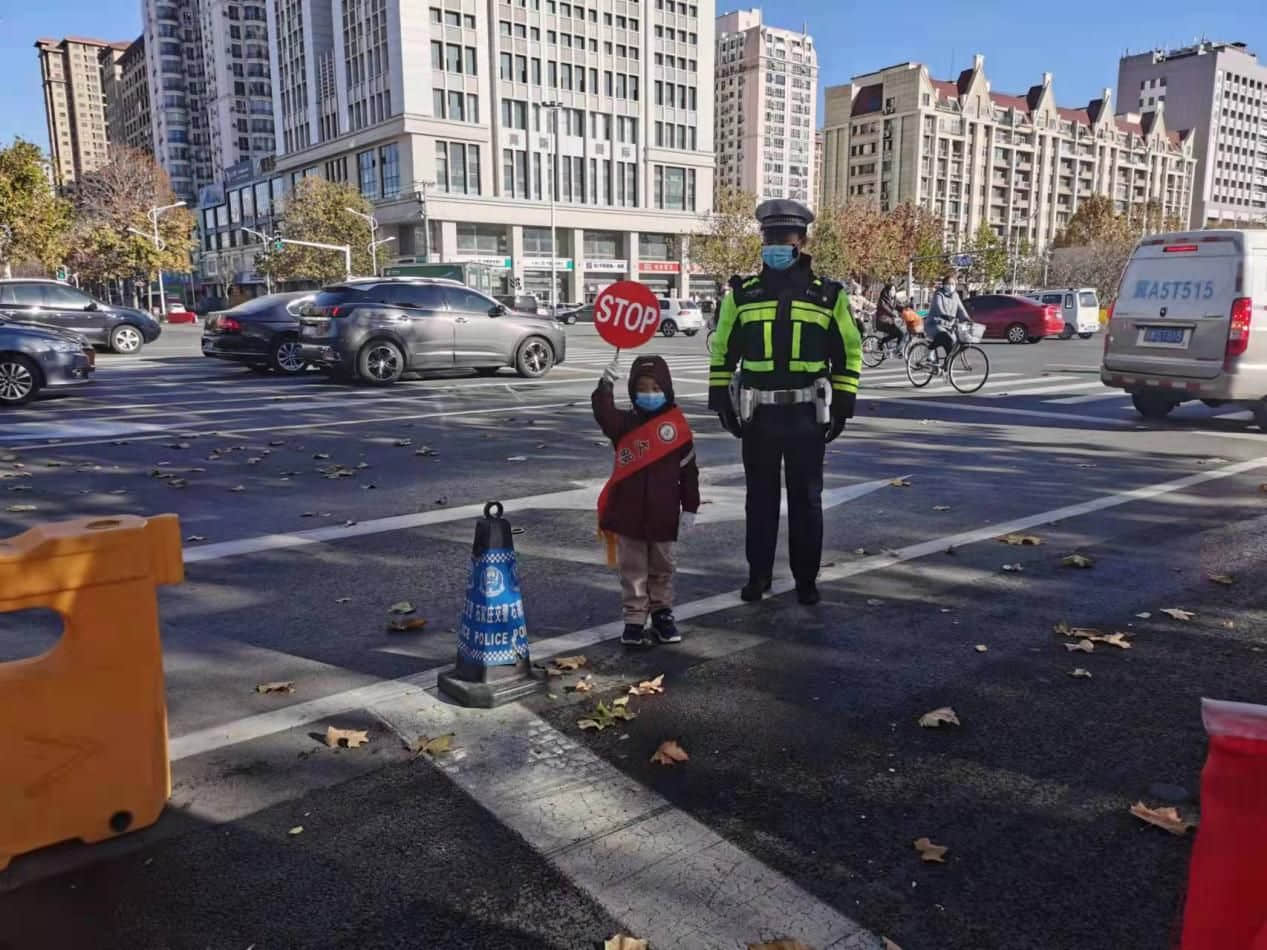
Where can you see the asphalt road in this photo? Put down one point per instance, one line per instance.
(809, 776)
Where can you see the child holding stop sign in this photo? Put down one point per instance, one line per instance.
(653, 494)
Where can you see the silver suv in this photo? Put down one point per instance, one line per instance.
(377, 330)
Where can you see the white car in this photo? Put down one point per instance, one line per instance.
(682, 316)
(1079, 307)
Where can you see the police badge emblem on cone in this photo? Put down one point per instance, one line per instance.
(492, 665)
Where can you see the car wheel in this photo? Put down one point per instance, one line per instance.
(380, 362)
(668, 328)
(284, 356)
(535, 358)
(1067, 332)
(1084, 336)
(125, 338)
(1154, 405)
(487, 370)
(19, 380)
(1017, 333)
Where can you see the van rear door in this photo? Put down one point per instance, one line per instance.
(1173, 307)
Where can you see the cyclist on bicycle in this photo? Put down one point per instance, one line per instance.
(944, 312)
(888, 321)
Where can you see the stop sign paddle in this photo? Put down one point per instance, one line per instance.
(627, 314)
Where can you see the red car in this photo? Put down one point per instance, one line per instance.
(1015, 319)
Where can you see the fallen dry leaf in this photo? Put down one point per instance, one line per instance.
(401, 443)
(932, 720)
(1013, 568)
(1021, 540)
(238, 488)
(401, 607)
(1082, 646)
(620, 701)
(623, 942)
(281, 686)
(405, 624)
(981, 648)
(297, 830)
(194, 538)
(648, 687)
(569, 664)
(1227, 580)
(784, 943)
(320, 456)
(1115, 640)
(343, 600)
(1080, 673)
(1167, 818)
(941, 507)
(1178, 613)
(1144, 615)
(590, 724)
(17, 508)
(900, 483)
(352, 738)
(929, 851)
(888, 944)
(1077, 560)
(439, 745)
(583, 685)
(669, 753)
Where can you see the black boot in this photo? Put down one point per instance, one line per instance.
(635, 636)
(664, 627)
(807, 593)
(755, 588)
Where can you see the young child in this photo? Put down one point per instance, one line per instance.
(653, 494)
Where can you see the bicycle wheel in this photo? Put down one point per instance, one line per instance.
(872, 351)
(969, 369)
(918, 370)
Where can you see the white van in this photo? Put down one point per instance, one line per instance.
(1190, 322)
(1079, 306)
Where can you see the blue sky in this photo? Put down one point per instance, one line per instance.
(1078, 41)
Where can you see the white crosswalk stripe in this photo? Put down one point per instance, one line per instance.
(1089, 397)
(1042, 390)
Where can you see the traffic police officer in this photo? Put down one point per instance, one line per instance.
(792, 338)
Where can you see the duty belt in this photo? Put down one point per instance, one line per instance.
(784, 397)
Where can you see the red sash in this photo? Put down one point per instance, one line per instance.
(650, 442)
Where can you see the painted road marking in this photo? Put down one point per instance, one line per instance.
(1090, 397)
(303, 713)
(1030, 413)
(1043, 390)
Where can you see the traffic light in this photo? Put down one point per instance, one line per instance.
(278, 244)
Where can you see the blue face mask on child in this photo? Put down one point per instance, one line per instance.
(778, 256)
(649, 402)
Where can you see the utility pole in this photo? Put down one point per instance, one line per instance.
(374, 243)
(153, 214)
(553, 105)
(420, 195)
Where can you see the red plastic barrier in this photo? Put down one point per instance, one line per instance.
(1226, 907)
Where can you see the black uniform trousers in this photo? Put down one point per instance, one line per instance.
(793, 437)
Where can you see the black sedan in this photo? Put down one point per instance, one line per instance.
(262, 333)
(121, 329)
(33, 358)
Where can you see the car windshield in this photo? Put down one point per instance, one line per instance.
(259, 305)
(1087, 298)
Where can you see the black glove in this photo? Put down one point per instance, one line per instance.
(833, 429)
(730, 422)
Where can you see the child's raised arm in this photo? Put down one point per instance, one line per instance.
(603, 401)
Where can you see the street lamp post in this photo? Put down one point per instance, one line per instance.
(153, 214)
(553, 105)
(374, 243)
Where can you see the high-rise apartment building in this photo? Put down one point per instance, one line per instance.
(767, 95)
(1219, 90)
(178, 89)
(1020, 164)
(820, 139)
(127, 91)
(238, 100)
(75, 104)
(465, 121)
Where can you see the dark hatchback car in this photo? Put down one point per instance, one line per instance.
(1015, 319)
(262, 333)
(378, 330)
(34, 358)
(50, 302)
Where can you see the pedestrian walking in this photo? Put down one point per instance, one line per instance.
(791, 336)
(652, 496)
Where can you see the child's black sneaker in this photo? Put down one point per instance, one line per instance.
(635, 636)
(664, 627)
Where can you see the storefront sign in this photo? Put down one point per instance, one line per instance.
(482, 259)
(543, 263)
(659, 267)
(606, 267)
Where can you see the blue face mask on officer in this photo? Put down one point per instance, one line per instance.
(778, 256)
(650, 402)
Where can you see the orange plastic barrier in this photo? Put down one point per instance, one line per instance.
(83, 728)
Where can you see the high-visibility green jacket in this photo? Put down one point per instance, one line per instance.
(786, 329)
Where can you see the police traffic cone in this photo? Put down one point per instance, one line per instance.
(492, 666)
